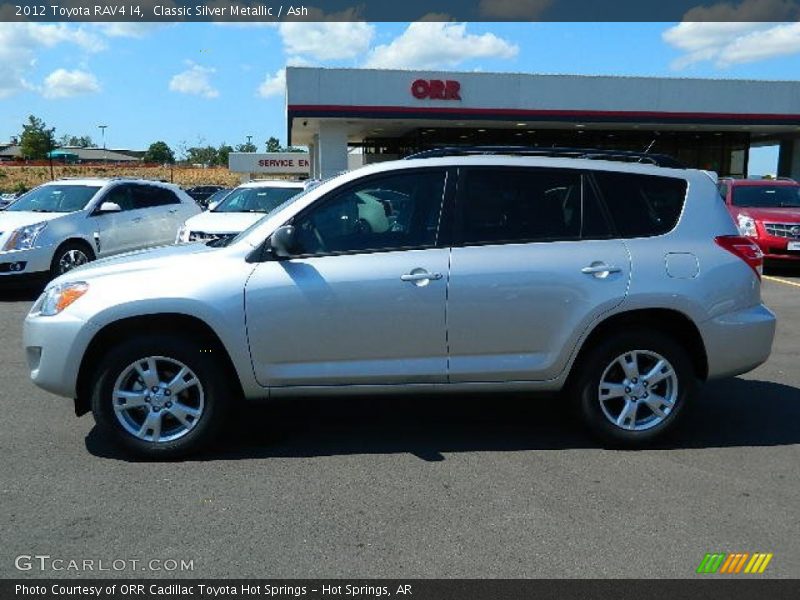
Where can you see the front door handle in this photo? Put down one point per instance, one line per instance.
(420, 277)
(172, 211)
(600, 269)
(136, 220)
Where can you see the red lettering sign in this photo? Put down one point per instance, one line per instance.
(436, 89)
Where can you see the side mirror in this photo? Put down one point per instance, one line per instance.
(109, 207)
(213, 205)
(282, 241)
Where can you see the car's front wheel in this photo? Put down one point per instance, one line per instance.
(69, 256)
(632, 388)
(159, 396)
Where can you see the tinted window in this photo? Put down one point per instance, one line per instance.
(122, 196)
(594, 224)
(55, 198)
(383, 213)
(642, 205)
(783, 196)
(520, 205)
(145, 196)
(166, 196)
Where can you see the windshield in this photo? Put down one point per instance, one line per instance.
(767, 196)
(294, 198)
(55, 198)
(218, 195)
(256, 199)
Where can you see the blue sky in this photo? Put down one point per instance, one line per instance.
(206, 83)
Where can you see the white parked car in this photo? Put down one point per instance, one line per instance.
(238, 210)
(68, 222)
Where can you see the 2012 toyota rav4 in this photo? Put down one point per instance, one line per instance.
(623, 285)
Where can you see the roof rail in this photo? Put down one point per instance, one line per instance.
(659, 160)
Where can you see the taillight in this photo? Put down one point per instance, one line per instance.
(744, 248)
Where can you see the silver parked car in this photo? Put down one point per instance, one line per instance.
(68, 222)
(623, 285)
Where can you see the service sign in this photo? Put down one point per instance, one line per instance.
(271, 163)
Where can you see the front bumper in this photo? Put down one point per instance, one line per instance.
(54, 347)
(738, 342)
(17, 263)
(776, 248)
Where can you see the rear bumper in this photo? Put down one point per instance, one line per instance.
(738, 342)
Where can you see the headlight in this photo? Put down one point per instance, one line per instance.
(25, 237)
(59, 297)
(747, 226)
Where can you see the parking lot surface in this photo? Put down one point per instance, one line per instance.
(489, 486)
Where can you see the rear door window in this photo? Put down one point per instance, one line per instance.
(642, 205)
(150, 196)
(518, 205)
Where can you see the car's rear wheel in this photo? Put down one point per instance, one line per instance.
(70, 256)
(633, 387)
(159, 397)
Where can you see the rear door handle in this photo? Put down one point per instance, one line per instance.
(600, 269)
(172, 211)
(136, 220)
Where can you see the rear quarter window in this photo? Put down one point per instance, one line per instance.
(642, 205)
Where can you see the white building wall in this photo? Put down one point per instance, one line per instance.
(369, 87)
(332, 151)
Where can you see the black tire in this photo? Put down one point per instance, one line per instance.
(64, 250)
(585, 389)
(216, 395)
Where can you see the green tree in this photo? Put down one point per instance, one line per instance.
(159, 152)
(36, 139)
(248, 147)
(202, 155)
(222, 154)
(274, 145)
(83, 141)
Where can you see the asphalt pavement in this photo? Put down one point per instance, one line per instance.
(487, 486)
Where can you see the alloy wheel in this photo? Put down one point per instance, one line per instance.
(158, 399)
(638, 390)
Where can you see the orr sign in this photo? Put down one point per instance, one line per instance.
(270, 163)
(436, 89)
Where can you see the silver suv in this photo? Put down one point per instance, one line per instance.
(622, 285)
(68, 222)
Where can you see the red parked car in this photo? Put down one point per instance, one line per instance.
(768, 211)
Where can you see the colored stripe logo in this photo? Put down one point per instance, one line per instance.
(734, 563)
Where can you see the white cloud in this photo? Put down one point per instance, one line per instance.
(326, 40)
(513, 9)
(273, 85)
(432, 45)
(196, 81)
(779, 40)
(730, 43)
(65, 84)
(20, 44)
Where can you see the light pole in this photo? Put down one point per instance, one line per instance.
(249, 137)
(102, 129)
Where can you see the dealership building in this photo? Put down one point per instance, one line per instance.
(374, 115)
